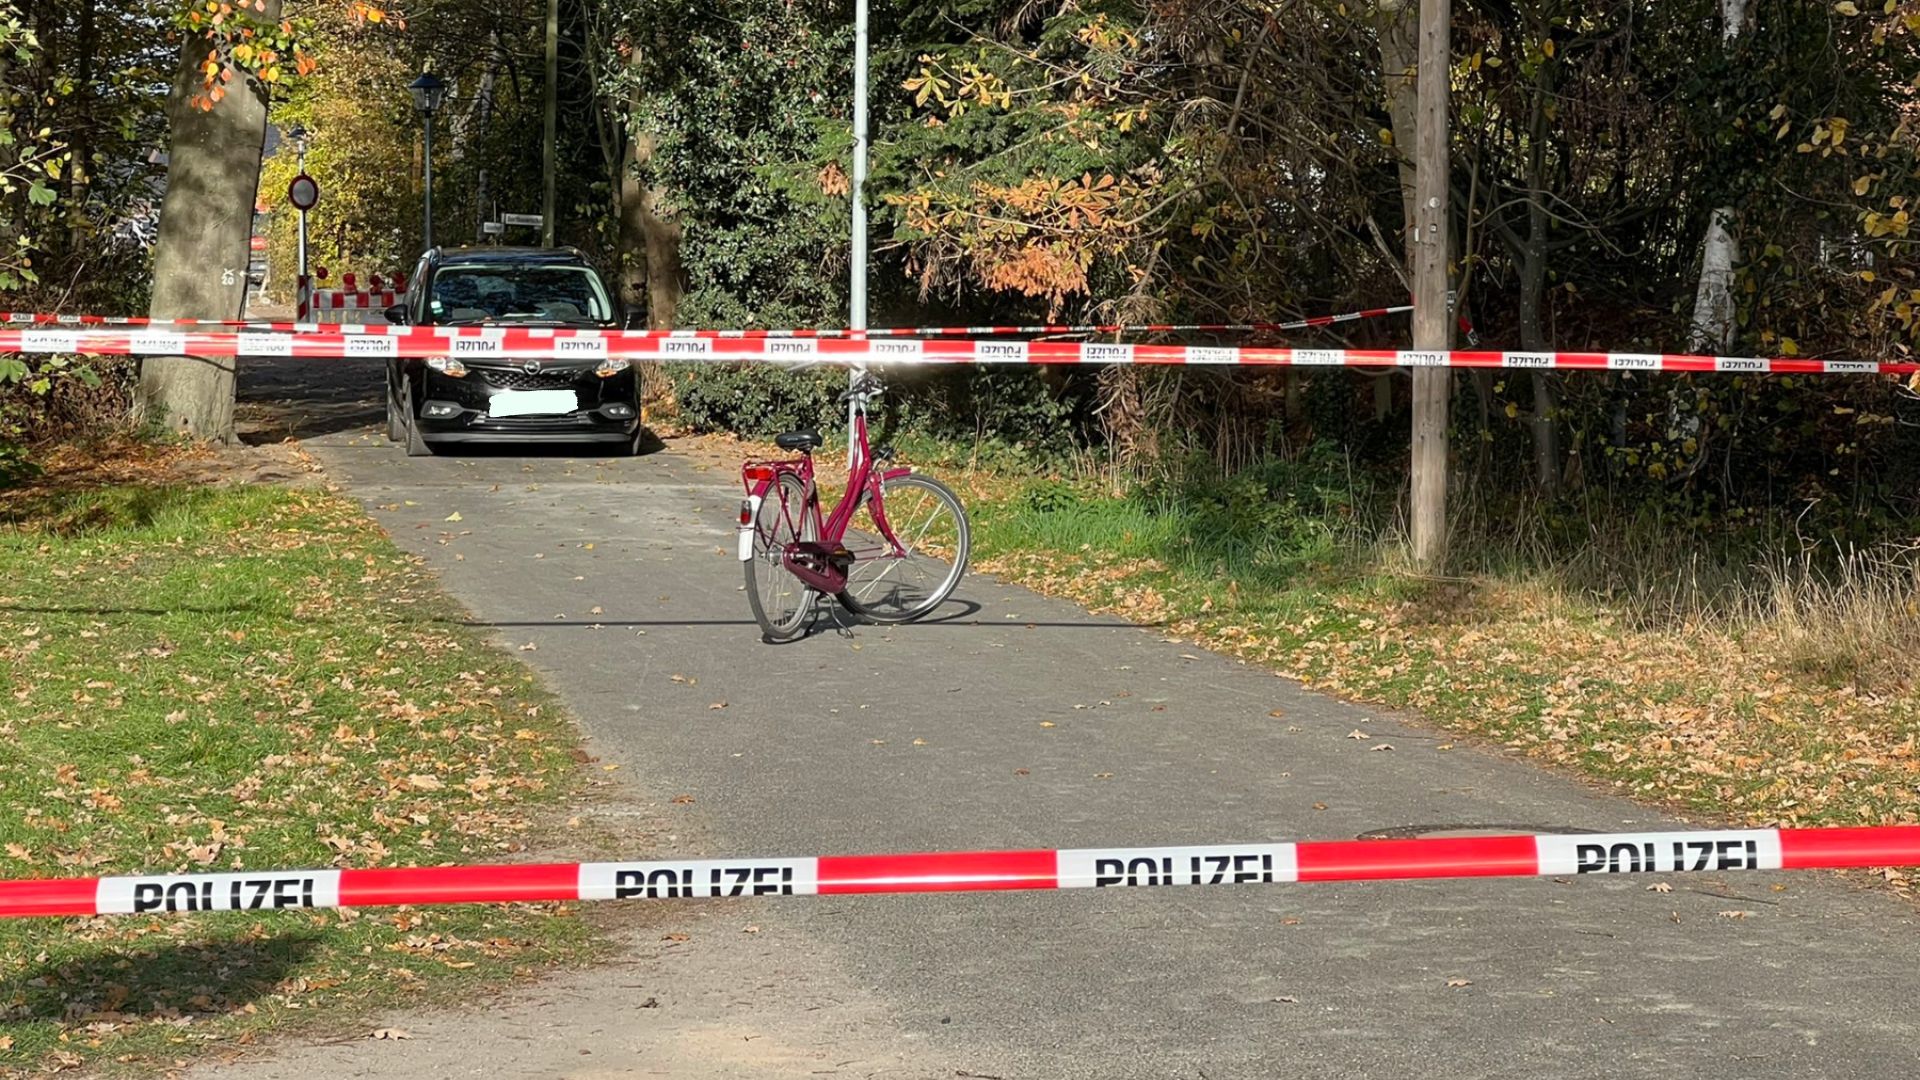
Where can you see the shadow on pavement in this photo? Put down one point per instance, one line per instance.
(284, 398)
(650, 444)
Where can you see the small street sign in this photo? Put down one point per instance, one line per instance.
(303, 193)
(492, 228)
(533, 221)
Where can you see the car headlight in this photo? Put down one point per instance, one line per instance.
(610, 367)
(448, 366)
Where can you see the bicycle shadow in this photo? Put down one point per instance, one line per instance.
(954, 613)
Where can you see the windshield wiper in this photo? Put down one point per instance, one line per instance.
(557, 320)
(523, 318)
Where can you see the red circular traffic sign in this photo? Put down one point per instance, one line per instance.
(303, 193)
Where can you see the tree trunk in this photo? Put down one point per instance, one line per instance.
(200, 258)
(482, 124)
(633, 228)
(649, 242)
(1533, 286)
(1713, 308)
(88, 43)
(1544, 422)
(550, 141)
(1712, 328)
(1398, 24)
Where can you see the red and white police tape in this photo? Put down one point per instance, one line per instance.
(1313, 322)
(1085, 868)
(326, 300)
(481, 343)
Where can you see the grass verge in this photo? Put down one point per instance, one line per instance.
(210, 679)
(1759, 714)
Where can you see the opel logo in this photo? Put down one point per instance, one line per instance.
(531, 367)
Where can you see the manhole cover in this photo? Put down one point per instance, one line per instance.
(1427, 832)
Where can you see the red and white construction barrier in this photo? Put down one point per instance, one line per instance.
(1084, 868)
(480, 343)
(341, 300)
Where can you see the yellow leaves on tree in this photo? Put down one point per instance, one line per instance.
(242, 41)
(1038, 238)
(958, 88)
(833, 181)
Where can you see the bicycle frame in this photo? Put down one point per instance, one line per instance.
(822, 562)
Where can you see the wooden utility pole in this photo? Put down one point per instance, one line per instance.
(1432, 319)
(551, 163)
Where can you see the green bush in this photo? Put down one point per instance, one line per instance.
(44, 398)
(1016, 409)
(1023, 410)
(1280, 511)
(757, 400)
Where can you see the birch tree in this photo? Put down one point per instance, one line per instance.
(1713, 307)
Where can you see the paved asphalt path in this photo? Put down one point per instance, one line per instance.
(1023, 722)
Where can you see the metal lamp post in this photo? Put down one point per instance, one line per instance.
(858, 290)
(429, 92)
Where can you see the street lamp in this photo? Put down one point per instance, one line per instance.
(429, 91)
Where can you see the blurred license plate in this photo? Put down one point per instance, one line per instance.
(532, 403)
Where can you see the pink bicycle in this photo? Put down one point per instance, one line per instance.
(891, 550)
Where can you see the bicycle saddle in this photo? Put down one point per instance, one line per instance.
(798, 440)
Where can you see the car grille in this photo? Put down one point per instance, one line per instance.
(515, 379)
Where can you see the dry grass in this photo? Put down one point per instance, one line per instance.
(1854, 622)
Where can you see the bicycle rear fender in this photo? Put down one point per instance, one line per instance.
(749, 513)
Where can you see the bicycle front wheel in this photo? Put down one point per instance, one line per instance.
(781, 602)
(908, 551)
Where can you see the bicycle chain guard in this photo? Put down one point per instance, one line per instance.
(819, 566)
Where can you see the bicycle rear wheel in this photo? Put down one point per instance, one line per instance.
(926, 517)
(781, 602)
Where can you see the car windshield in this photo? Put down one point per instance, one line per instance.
(509, 293)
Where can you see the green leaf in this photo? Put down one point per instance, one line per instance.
(41, 195)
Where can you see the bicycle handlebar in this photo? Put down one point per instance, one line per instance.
(865, 385)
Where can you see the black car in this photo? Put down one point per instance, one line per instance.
(432, 402)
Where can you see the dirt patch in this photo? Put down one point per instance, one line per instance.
(119, 462)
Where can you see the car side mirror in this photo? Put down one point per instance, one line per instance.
(397, 314)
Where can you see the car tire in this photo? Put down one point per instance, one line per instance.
(417, 445)
(396, 418)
